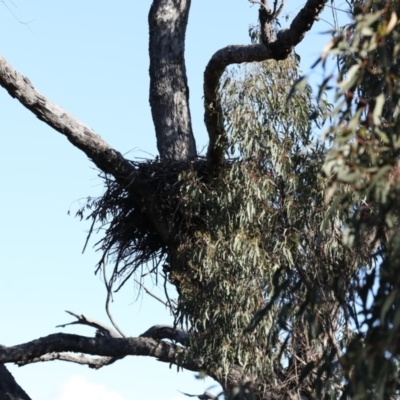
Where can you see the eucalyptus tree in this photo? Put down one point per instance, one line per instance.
(364, 163)
(269, 239)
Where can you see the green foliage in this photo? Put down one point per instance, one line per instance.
(363, 165)
(264, 281)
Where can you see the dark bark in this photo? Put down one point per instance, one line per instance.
(278, 49)
(9, 388)
(169, 92)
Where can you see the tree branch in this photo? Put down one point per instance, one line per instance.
(101, 346)
(80, 135)
(102, 329)
(156, 332)
(165, 303)
(278, 49)
(109, 349)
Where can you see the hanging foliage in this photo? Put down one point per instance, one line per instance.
(266, 270)
(363, 165)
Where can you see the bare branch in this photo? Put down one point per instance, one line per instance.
(156, 332)
(168, 305)
(278, 11)
(278, 49)
(102, 329)
(106, 158)
(109, 285)
(100, 346)
(55, 346)
(109, 349)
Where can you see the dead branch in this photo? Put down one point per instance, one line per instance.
(109, 286)
(109, 349)
(80, 135)
(102, 329)
(167, 305)
(100, 346)
(278, 49)
(156, 332)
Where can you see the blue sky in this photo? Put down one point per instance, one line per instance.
(91, 58)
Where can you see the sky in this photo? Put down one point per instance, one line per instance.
(91, 58)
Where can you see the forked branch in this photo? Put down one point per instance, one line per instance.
(150, 343)
(101, 329)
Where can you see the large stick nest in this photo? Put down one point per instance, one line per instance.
(130, 240)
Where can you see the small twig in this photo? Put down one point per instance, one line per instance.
(275, 4)
(102, 330)
(108, 285)
(15, 16)
(279, 10)
(153, 295)
(172, 307)
(261, 3)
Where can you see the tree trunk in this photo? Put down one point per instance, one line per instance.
(169, 92)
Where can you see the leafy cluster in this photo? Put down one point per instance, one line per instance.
(266, 271)
(363, 164)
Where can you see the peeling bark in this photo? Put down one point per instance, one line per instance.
(169, 92)
(278, 49)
